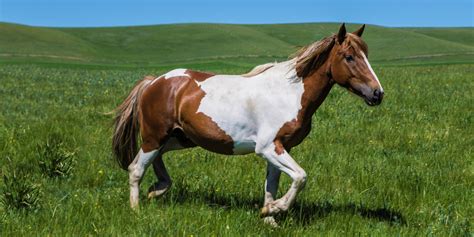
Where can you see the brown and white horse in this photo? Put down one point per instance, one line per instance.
(266, 111)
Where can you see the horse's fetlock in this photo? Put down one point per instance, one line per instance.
(284, 208)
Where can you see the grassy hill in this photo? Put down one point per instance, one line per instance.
(182, 44)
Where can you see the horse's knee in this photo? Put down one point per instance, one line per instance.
(300, 179)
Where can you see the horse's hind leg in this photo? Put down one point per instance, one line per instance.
(136, 171)
(176, 142)
(164, 180)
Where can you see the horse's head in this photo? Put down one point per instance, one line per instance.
(350, 67)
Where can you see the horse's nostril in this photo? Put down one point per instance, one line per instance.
(377, 93)
(378, 96)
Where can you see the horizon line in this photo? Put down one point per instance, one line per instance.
(232, 23)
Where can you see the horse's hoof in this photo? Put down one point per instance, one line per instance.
(156, 193)
(158, 189)
(134, 206)
(269, 220)
(264, 212)
(271, 209)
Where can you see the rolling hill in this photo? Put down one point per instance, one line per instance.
(182, 44)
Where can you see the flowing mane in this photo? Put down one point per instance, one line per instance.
(258, 69)
(308, 58)
(313, 56)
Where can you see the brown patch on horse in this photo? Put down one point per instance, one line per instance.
(199, 76)
(158, 113)
(316, 88)
(279, 148)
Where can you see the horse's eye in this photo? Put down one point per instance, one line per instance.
(349, 58)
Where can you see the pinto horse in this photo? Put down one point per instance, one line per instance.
(266, 111)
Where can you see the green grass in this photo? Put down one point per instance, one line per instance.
(404, 168)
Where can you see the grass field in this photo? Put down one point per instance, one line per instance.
(404, 168)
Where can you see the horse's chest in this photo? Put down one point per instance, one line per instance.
(292, 135)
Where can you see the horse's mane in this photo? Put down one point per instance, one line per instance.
(308, 59)
(258, 69)
(313, 56)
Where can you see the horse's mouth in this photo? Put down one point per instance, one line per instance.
(372, 101)
(369, 102)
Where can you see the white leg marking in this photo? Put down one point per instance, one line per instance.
(136, 170)
(371, 70)
(284, 162)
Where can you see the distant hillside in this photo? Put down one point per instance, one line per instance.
(246, 44)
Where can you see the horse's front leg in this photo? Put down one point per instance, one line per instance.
(271, 188)
(136, 171)
(279, 157)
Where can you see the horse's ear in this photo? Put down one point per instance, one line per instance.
(342, 33)
(359, 31)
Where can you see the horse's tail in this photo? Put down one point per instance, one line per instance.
(124, 141)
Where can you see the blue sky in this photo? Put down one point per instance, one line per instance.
(147, 12)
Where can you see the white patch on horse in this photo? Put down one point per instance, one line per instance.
(176, 73)
(251, 110)
(173, 73)
(371, 70)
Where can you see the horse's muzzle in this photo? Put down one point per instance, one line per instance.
(375, 99)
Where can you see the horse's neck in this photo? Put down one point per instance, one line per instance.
(316, 86)
(316, 89)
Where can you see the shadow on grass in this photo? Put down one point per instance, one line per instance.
(302, 212)
(305, 213)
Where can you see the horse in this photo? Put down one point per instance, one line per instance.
(267, 111)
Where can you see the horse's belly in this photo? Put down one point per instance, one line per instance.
(214, 138)
(244, 147)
